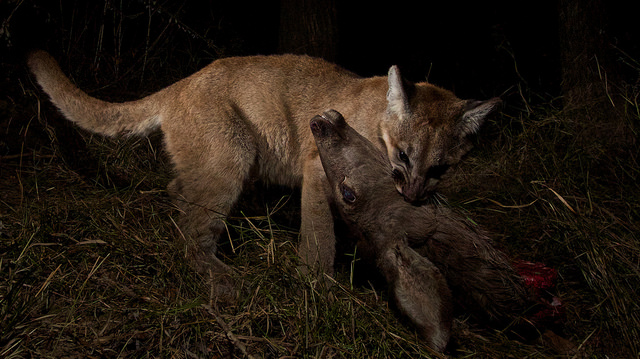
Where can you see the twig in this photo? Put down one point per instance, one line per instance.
(232, 337)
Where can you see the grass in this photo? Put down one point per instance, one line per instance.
(92, 270)
(570, 202)
(91, 266)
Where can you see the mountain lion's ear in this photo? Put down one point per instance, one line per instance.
(476, 113)
(397, 95)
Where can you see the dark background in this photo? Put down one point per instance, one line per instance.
(477, 49)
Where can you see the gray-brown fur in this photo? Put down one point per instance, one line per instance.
(246, 116)
(480, 277)
(417, 286)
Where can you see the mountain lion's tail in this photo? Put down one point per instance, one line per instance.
(133, 117)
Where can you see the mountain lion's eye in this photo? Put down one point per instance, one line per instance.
(403, 157)
(347, 194)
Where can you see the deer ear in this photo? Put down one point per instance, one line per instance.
(397, 99)
(420, 292)
(476, 112)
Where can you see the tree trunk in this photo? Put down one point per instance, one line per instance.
(308, 27)
(589, 74)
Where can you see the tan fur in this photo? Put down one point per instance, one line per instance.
(247, 116)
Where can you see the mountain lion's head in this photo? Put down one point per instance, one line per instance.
(426, 131)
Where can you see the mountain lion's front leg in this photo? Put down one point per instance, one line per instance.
(317, 239)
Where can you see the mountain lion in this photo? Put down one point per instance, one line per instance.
(248, 117)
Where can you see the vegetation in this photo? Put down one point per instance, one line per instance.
(91, 264)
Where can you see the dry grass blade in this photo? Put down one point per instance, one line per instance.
(511, 206)
(560, 198)
(48, 280)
